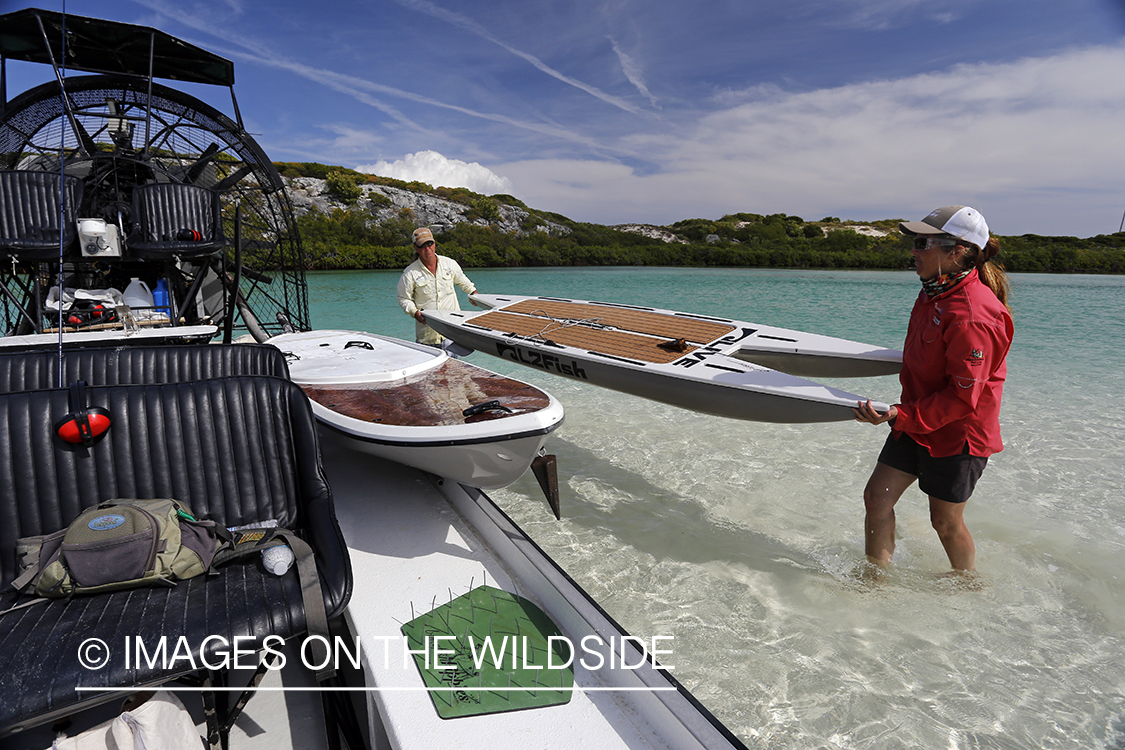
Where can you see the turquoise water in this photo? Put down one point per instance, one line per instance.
(742, 540)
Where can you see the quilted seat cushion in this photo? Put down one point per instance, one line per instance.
(117, 365)
(30, 211)
(236, 450)
(42, 646)
(163, 210)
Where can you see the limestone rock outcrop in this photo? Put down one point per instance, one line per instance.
(383, 202)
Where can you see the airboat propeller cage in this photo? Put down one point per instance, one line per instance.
(131, 143)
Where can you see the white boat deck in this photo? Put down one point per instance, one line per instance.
(415, 538)
(409, 545)
(108, 336)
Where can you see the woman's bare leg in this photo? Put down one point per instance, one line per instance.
(949, 523)
(884, 488)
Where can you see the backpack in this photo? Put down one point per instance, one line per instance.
(120, 544)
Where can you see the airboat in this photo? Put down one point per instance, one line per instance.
(112, 183)
(114, 177)
(137, 214)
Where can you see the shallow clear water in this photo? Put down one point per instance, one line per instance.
(743, 540)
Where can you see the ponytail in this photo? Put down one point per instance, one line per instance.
(990, 268)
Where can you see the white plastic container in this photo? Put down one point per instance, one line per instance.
(277, 559)
(138, 295)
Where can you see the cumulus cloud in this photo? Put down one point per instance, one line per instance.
(1033, 138)
(437, 170)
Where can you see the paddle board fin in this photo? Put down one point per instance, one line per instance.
(546, 471)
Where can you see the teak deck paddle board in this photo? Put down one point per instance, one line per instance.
(706, 364)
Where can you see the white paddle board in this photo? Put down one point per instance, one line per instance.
(692, 361)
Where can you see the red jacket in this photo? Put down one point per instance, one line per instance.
(953, 370)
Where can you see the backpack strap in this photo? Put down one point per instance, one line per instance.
(36, 600)
(25, 578)
(316, 617)
(249, 541)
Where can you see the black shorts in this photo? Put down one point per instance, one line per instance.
(951, 478)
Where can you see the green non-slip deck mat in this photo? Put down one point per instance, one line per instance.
(484, 624)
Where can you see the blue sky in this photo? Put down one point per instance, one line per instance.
(641, 111)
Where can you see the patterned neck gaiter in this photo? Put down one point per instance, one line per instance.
(943, 282)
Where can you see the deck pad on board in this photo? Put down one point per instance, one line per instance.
(435, 398)
(639, 321)
(615, 343)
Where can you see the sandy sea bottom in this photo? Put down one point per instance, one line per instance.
(744, 541)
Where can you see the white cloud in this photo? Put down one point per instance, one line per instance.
(362, 90)
(633, 71)
(434, 169)
(1035, 144)
(467, 24)
(351, 140)
(882, 15)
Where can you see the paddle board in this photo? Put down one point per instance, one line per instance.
(696, 362)
(413, 404)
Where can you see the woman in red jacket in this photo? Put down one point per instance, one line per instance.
(953, 370)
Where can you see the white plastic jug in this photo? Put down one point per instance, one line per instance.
(137, 294)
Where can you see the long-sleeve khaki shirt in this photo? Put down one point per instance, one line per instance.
(418, 289)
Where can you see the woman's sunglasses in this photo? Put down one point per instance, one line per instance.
(921, 243)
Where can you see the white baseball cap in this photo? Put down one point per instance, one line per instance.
(962, 222)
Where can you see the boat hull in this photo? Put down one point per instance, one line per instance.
(418, 543)
(200, 334)
(405, 402)
(488, 465)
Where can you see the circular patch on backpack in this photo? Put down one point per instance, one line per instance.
(106, 522)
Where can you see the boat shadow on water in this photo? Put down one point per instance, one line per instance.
(611, 501)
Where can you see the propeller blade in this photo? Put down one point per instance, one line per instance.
(196, 169)
(233, 178)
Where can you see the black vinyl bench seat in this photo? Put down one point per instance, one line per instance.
(238, 450)
(120, 365)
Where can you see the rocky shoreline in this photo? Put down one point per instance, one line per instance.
(383, 202)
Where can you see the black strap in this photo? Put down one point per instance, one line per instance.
(23, 606)
(312, 597)
(493, 405)
(316, 617)
(79, 413)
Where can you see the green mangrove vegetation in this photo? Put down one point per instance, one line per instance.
(353, 238)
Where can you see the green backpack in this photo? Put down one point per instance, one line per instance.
(123, 544)
(119, 544)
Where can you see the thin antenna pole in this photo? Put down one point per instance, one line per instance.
(62, 196)
(60, 70)
(148, 101)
